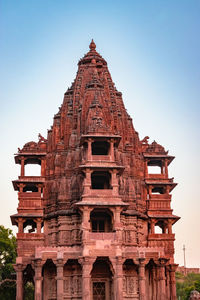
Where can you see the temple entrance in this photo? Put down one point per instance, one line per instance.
(101, 280)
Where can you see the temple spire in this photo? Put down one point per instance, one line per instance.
(92, 46)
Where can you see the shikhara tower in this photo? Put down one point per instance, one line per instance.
(92, 214)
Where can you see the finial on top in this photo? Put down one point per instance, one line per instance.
(92, 45)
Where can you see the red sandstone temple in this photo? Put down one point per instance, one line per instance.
(97, 223)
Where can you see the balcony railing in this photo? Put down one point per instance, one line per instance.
(101, 157)
(101, 192)
(27, 195)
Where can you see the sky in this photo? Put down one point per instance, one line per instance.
(153, 53)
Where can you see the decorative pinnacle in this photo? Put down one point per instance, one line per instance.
(92, 45)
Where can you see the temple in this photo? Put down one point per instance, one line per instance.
(96, 223)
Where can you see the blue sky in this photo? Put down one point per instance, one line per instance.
(153, 53)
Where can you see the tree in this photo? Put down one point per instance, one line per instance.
(7, 259)
(186, 284)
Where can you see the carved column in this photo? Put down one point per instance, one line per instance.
(87, 182)
(153, 222)
(166, 169)
(170, 226)
(154, 288)
(21, 187)
(39, 225)
(38, 279)
(172, 271)
(20, 222)
(112, 155)
(167, 283)
(19, 283)
(53, 232)
(115, 185)
(43, 163)
(118, 279)
(85, 222)
(142, 289)
(89, 156)
(145, 169)
(162, 279)
(86, 278)
(59, 278)
(22, 167)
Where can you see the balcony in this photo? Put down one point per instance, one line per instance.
(31, 178)
(160, 197)
(161, 237)
(101, 192)
(30, 236)
(156, 176)
(29, 195)
(101, 158)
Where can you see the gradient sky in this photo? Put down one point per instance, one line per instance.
(153, 53)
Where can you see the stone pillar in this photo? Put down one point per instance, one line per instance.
(162, 279)
(112, 155)
(162, 168)
(53, 232)
(153, 226)
(167, 284)
(39, 225)
(87, 182)
(170, 226)
(154, 288)
(19, 283)
(145, 169)
(22, 167)
(89, 156)
(20, 225)
(21, 187)
(38, 279)
(115, 185)
(166, 169)
(59, 278)
(86, 278)
(172, 271)
(85, 222)
(118, 279)
(43, 163)
(150, 191)
(142, 288)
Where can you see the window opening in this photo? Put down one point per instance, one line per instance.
(158, 190)
(101, 180)
(154, 170)
(100, 148)
(160, 227)
(101, 222)
(29, 226)
(30, 188)
(32, 170)
(154, 167)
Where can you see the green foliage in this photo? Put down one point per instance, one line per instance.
(7, 259)
(186, 284)
(29, 291)
(7, 252)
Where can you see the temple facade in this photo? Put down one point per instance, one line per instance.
(96, 224)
